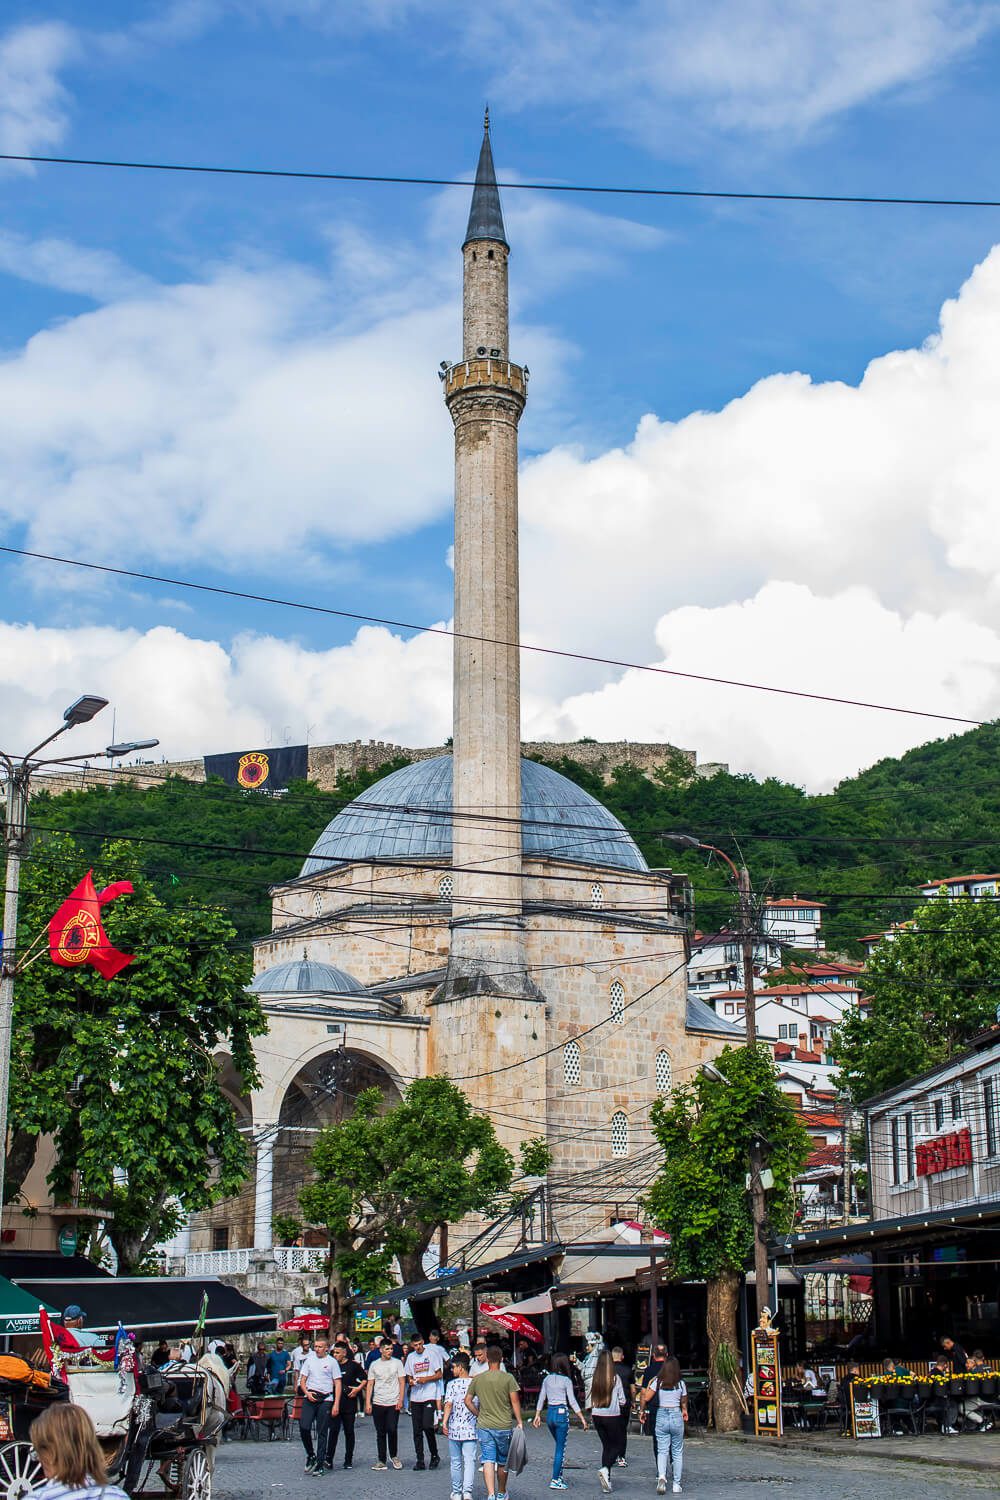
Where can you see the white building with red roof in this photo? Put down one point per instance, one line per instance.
(794, 921)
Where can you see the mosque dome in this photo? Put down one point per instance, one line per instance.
(407, 815)
(304, 976)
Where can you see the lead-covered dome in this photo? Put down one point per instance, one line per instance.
(407, 815)
(304, 976)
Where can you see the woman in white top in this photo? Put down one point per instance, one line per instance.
(384, 1402)
(558, 1395)
(668, 1394)
(607, 1402)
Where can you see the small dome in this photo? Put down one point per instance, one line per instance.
(407, 815)
(304, 976)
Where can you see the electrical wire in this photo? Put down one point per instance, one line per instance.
(608, 661)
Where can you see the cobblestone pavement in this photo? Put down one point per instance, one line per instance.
(714, 1469)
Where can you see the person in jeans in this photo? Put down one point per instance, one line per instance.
(424, 1368)
(384, 1402)
(558, 1395)
(667, 1393)
(607, 1402)
(495, 1401)
(319, 1386)
(460, 1429)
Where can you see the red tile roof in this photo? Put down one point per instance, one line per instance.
(956, 880)
(825, 1156)
(793, 901)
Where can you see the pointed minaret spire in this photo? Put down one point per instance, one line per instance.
(485, 215)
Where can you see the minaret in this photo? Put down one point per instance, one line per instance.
(485, 395)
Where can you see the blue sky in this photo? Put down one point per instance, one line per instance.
(233, 380)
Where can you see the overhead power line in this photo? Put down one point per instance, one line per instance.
(620, 190)
(604, 661)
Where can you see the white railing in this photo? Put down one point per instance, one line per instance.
(300, 1257)
(290, 1258)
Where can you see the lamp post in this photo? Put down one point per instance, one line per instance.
(18, 774)
(741, 879)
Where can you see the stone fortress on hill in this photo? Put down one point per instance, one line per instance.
(476, 913)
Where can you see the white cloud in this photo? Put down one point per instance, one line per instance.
(33, 101)
(67, 267)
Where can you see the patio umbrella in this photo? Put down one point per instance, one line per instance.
(513, 1322)
(306, 1323)
(19, 1310)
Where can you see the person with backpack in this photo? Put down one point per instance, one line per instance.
(667, 1394)
(607, 1402)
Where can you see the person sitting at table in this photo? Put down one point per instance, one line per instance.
(978, 1414)
(891, 1369)
(812, 1382)
(942, 1406)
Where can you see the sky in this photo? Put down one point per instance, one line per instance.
(762, 441)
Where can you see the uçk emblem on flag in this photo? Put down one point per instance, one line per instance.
(76, 933)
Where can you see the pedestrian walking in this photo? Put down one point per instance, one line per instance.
(278, 1362)
(302, 1348)
(320, 1385)
(666, 1394)
(384, 1402)
(70, 1455)
(559, 1397)
(607, 1401)
(424, 1369)
(459, 1428)
(626, 1375)
(257, 1372)
(353, 1381)
(495, 1402)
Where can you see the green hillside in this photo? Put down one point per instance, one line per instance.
(861, 849)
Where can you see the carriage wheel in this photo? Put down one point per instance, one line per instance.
(20, 1472)
(197, 1481)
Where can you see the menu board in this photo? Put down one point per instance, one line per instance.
(864, 1413)
(766, 1382)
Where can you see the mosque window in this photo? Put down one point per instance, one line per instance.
(317, 905)
(446, 888)
(618, 1002)
(597, 896)
(571, 1064)
(664, 1072)
(619, 1134)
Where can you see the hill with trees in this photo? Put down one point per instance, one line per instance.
(861, 849)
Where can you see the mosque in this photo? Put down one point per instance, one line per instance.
(476, 914)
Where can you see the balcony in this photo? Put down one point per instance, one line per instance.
(292, 1259)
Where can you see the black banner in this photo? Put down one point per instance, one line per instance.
(260, 770)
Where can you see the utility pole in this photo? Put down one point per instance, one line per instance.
(747, 943)
(758, 1209)
(18, 775)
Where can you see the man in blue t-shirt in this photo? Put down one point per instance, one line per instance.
(277, 1367)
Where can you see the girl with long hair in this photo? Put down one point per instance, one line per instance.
(558, 1395)
(607, 1403)
(70, 1456)
(667, 1394)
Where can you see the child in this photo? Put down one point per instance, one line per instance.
(71, 1459)
(460, 1429)
(669, 1393)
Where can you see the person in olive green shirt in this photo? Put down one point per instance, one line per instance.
(495, 1402)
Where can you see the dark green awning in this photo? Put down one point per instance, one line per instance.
(19, 1310)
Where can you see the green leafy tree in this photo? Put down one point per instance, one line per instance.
(387, 1178)
(700, 1196)
(120, 1073)
(536, 1156)
(932, 987)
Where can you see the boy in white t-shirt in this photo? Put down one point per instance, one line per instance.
(319, 1385)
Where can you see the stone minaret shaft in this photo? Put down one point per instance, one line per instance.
(485, 394)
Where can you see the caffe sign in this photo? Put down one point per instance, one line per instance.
(944, 1152)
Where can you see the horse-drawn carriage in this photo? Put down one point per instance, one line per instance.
(153, 1424)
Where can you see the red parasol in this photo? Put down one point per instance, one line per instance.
(306, 1322)
(513, 1322)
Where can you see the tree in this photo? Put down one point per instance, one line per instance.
(700, 1196)
(121, 1073)
(932, 987)
(387, 1178)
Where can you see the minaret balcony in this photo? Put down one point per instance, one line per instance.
(485, 374)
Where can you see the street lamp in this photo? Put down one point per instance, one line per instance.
(18, 774)
(741, 879)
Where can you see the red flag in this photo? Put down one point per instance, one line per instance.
(76, 933)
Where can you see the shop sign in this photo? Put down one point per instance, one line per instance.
(367, 1320)
(67, 1239)
(766, 1379)
(944, 1152)
(864, 1413)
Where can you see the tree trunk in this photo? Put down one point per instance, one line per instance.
(20, 1160)
(422, 1309)
(723, 1307)
(337, 1291)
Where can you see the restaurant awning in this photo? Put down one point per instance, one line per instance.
(821, 1244)
(160, 1306)
(448, 1277)
(19, 1309)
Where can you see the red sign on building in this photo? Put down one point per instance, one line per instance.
(944, 1152)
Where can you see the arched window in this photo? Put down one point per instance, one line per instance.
(446, 888)
(619, 1134)
(664, 1072)
(571, 1064)
(317, 905)
(597, 896)
(618, 1002)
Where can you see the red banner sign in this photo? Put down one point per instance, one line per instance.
(943, 1153)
